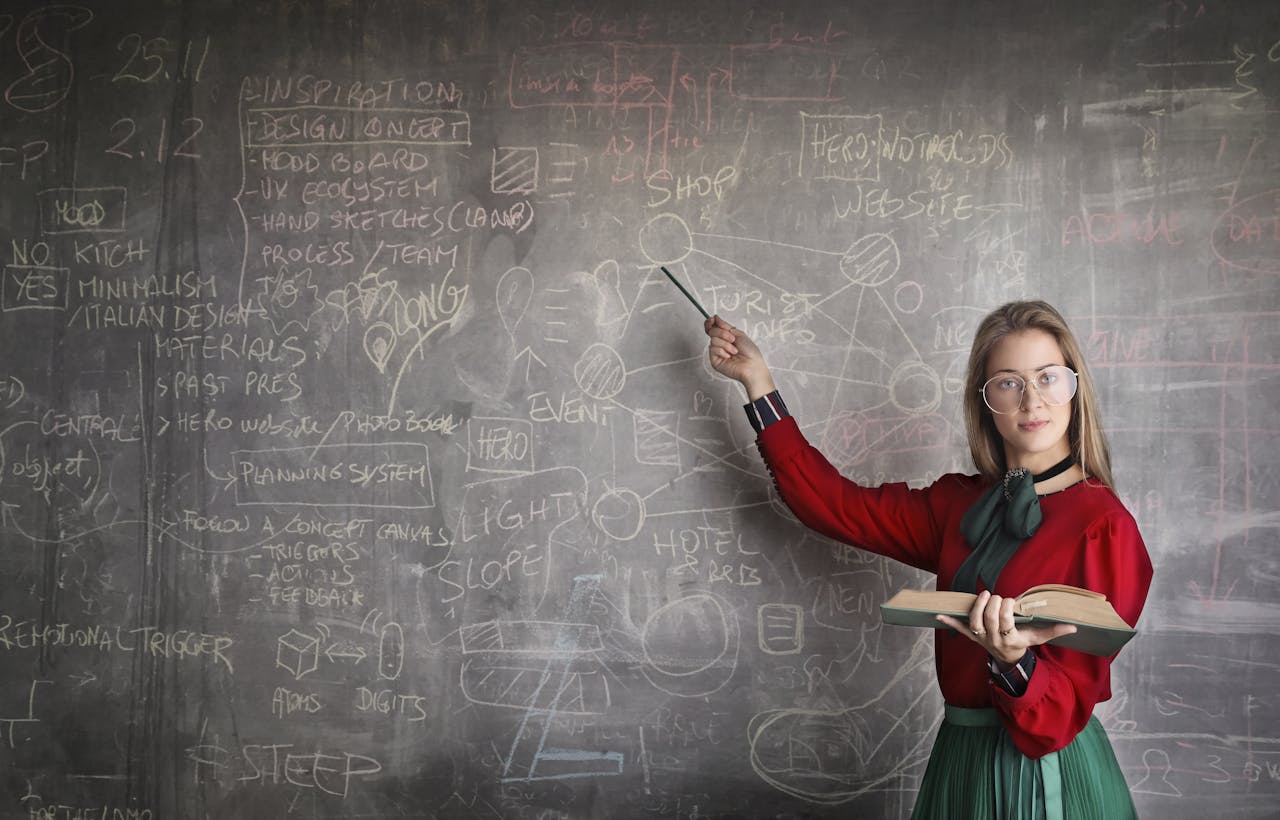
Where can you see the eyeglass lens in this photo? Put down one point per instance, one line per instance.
(1055, 385)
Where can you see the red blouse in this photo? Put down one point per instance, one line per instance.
(1087, 539)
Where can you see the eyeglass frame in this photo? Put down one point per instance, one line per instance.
(982, 389)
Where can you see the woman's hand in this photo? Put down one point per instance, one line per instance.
(991, 626)
(733, 354)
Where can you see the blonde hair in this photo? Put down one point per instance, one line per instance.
(1084, 434)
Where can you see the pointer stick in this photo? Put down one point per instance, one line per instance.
(685, 292)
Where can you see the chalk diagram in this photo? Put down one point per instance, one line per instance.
(300, 653)
(850, 282)
(854, 298)
(550, 669)
(857, 282)
(855, 306)
(542, 668)
(49, 71)
(574, 326)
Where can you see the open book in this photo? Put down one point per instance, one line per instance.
(1099, 630)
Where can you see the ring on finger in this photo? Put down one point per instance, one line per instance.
(979, 632)
(1004, 633)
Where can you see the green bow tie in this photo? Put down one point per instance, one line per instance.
(995, 526)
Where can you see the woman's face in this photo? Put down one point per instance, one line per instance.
(1034, 434)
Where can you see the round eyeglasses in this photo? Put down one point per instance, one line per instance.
(1056, 385)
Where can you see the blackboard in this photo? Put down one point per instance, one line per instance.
(356, 459)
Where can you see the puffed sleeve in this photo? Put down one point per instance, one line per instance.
(892, 520)
(1067, 684)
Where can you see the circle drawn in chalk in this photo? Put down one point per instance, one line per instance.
(908, 293)
(600, 372)
(915, 389)
(872, 260)
(666, 240)
(667, 634)
(619, 513)
(379, 343)
(513, 294)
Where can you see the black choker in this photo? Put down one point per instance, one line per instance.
(1056, 470)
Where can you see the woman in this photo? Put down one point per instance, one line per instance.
(1018, 739)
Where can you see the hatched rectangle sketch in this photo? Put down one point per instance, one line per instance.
(529, 685)
(508, 664)
(514, 170)
(657, 439)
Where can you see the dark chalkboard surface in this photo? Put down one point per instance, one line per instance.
(357, 460)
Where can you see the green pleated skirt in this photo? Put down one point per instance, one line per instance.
(976, 772)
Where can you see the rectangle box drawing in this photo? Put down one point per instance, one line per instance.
(781, 628)
(499, 445)
(315, 125)
(390, 475)
(514, 170)
(35, 287)
(844, 147)
(82, 210)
